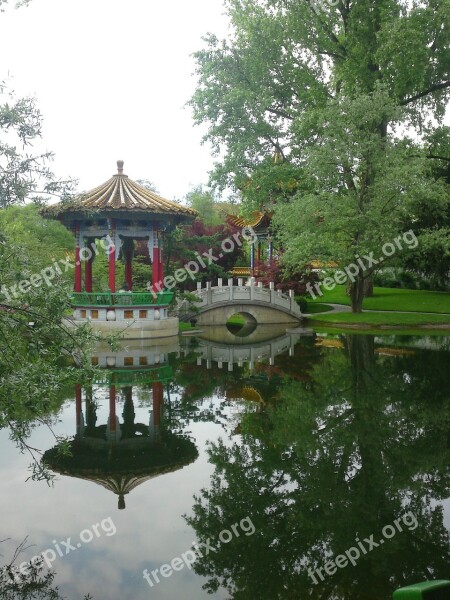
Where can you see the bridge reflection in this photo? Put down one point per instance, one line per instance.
(221, 346)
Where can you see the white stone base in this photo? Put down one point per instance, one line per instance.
(131, 329)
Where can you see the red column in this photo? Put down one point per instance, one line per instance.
(158, 393)
(155, 259)
(78, 276)
(78, 404)
(112, 408)
(112, 263)
(88, 275)
(129, 269)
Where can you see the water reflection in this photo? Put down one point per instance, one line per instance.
(122, 454)
(338, 456)
(317, 439)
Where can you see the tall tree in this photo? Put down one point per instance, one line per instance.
(35, 344)
(348, 91)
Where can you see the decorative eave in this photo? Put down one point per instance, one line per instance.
(119, 197)
(127, 466)
(259, 220)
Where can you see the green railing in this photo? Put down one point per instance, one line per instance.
(126, 377)
(121, 298)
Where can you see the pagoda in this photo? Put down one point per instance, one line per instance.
(115, 214)
(122, 454)
(260, 223)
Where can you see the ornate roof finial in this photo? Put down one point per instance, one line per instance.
(120, 167)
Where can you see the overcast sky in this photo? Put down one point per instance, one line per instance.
(111, 79)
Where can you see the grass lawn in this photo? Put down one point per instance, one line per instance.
(404, 331)
(185, 327)
(392, 299)
(236, 319)
(383, 318)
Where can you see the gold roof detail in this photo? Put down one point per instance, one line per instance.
(240, 271)
(121, 194)
(258, 218)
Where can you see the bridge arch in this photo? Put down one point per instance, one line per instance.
(248, 327)
(262, 305)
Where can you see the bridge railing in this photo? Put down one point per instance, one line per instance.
(251, 292)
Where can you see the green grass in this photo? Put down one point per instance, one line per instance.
(185, 327)
(383, 318)
(404, 331)
(236, 320)
(318, 308)
(392, 299)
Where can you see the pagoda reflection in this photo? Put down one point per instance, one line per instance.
(124, 449)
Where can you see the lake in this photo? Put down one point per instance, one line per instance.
(269, 466)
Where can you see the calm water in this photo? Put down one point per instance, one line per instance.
(279, 452)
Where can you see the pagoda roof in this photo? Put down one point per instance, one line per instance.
(257, 220)
(120, 194)
(124, 467)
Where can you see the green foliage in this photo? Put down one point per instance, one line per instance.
(41, 240)
(186, 243)
(330, 89)
(36, 358)
(272, 182)
(23, 175)
(386, 318)
(333, 456)
(205, 204)
(37, 350)
(392, 299)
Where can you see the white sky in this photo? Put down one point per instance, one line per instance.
(111, 79)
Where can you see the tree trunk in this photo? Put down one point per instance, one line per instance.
(368, 287)
(357, 295)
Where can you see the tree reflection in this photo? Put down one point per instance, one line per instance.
(340, 455)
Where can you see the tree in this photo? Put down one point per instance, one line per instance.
(23, 175)
(187, 242)
(37, 349)
(34, 585)
(335, 457)
(42, 240)
(204, 203)
(349, 92)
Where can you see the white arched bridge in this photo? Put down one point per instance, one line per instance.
(254, 302)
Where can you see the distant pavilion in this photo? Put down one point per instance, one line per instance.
(118, 212)
(125, 211)
(260, 222)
